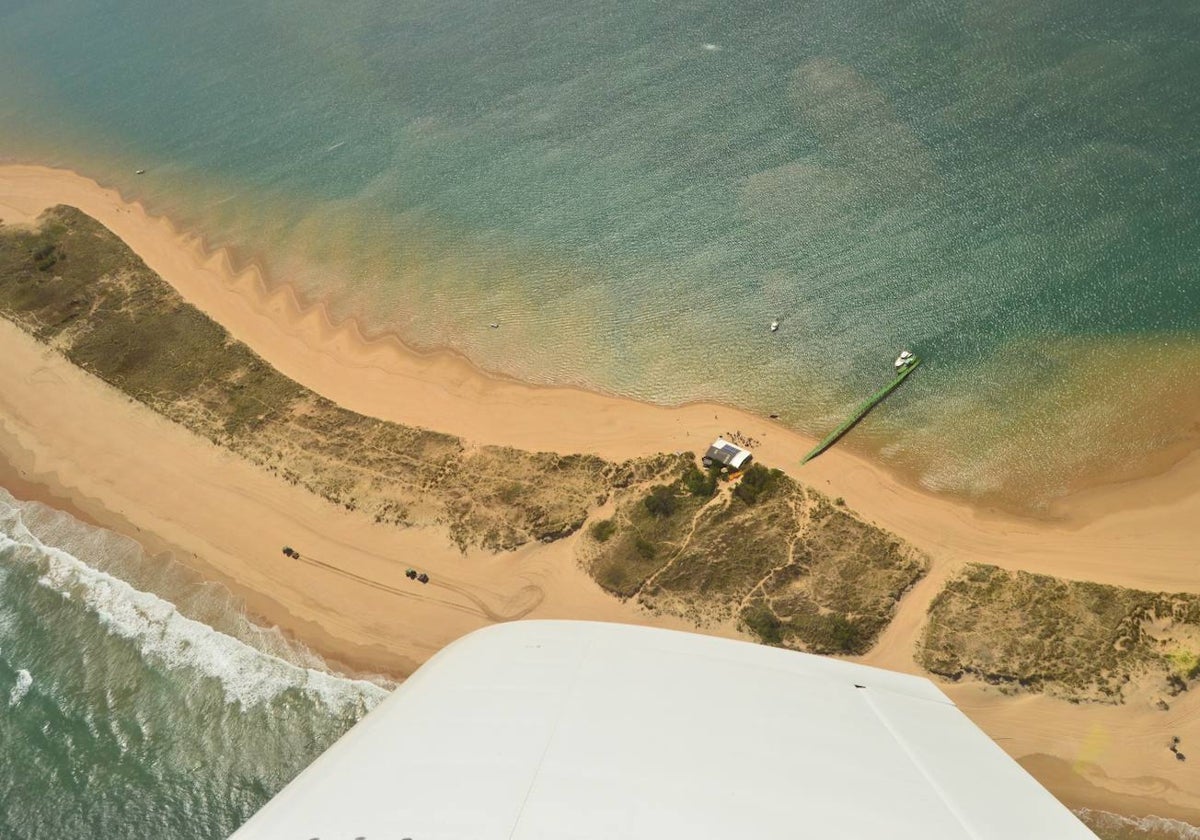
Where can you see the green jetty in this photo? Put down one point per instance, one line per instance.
(911, 364)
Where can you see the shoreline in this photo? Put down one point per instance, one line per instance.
(442, 391)
(379, 375)
(227, 519)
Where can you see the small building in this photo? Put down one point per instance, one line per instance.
(726, 454)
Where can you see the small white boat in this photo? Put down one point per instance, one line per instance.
(140, 172)
(775, 326)
(494, 325)
(904, 358)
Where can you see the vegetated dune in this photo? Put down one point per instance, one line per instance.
(75, 286)
(91, 449)
(1072, 639)
(792, 567)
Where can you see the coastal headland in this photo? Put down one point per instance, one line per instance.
(75, 442)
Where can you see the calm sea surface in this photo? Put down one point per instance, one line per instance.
(634, 191)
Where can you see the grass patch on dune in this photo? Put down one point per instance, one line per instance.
(642, 537)
(1077, 640)
(841, 581)
(74, 285)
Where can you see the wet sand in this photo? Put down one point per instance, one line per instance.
(81, 446)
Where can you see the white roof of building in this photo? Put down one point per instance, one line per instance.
(729, 454)
(549, 730)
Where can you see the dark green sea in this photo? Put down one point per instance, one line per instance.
(634, 191)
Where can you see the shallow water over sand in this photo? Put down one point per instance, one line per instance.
(634, 192)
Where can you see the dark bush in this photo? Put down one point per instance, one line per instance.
(700, 483)
(45, 257)
(757, 482)
(762, 622)
(844, 635)
(602, 530)
(645, 548)
(661, 501)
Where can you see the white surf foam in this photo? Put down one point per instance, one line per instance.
(1159, 828)
(21, 688)
(164, 635)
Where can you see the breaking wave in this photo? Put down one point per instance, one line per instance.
(142, 702)
(1110, 826)
(20, 688)
(248, 674)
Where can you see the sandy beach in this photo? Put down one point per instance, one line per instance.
(73, 442)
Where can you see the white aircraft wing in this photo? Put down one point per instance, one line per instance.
(547, 730)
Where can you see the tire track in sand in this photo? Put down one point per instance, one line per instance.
(524, 601)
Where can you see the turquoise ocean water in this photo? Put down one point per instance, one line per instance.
(634, 190)
(135, 703)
